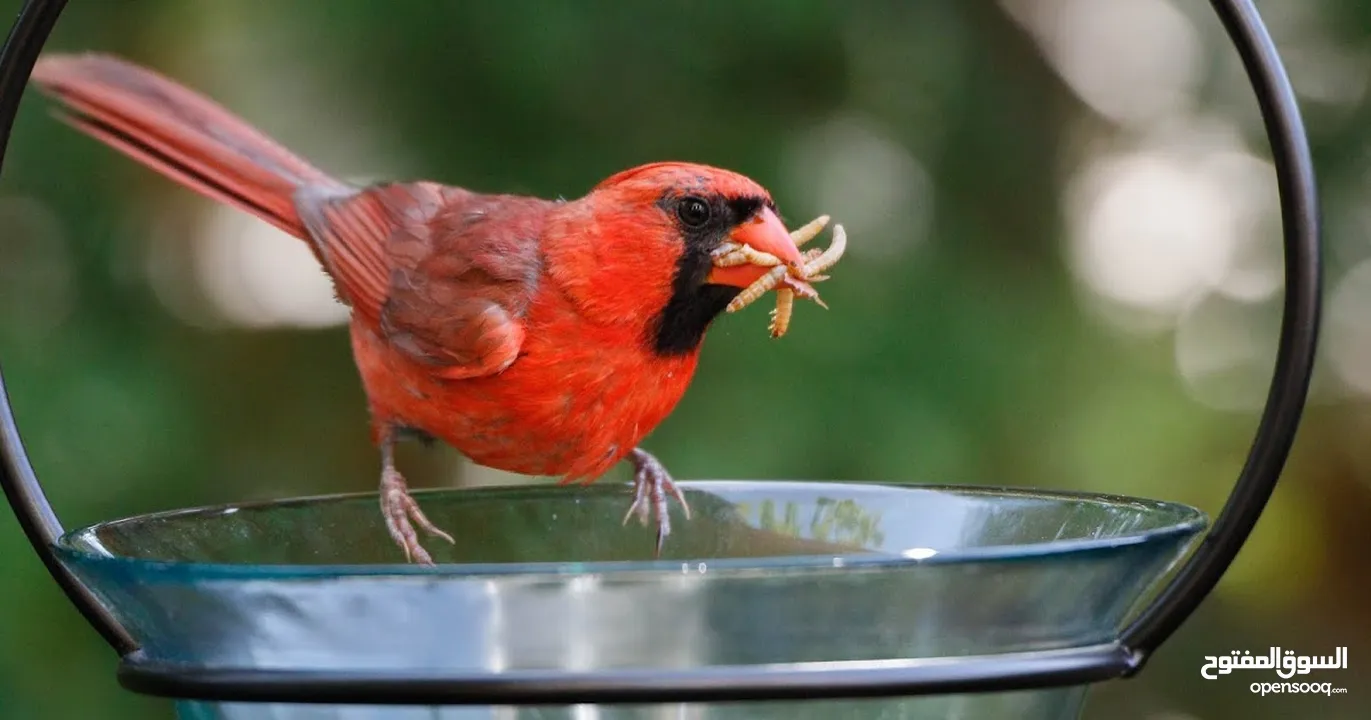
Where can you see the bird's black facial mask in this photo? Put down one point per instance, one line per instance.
(705, 222)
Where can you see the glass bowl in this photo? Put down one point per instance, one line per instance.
(551, 578)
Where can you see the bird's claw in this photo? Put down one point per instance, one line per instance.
(402, 513)
(788, 281)
(651, 486)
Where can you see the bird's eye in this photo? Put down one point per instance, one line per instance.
(693, 211)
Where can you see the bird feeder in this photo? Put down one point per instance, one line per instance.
(779, 599)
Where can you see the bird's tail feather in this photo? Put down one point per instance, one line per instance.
(179, 133)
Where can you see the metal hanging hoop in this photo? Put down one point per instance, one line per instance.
(1010, 671)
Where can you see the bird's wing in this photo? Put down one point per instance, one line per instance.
(443, 274)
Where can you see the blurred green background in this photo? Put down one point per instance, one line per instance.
(1064, 271)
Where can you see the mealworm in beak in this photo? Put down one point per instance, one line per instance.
(773, 277)
(785, 280)
(749, 295)
(730, 254)
(829, 257)
(809, 230)
(743, 255)
(780, 315)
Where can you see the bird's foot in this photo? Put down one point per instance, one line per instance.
(651, 485)
(402, 513)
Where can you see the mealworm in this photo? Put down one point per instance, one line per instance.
(757, 289)
(830, 256)
(780, 315)
(730, 254)
(814, 264)
(743, 255)
(808, 231)
(787, 283)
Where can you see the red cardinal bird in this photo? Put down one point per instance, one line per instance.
(535, 336)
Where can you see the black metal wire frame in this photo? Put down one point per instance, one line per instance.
(1073, 666)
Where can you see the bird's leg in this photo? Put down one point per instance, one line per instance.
(651, 484)
(400, 510)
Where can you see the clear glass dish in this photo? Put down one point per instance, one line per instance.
(549, 578)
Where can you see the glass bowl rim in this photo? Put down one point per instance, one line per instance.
(1189, 521)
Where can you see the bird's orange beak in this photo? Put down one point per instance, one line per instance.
(764, 233)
